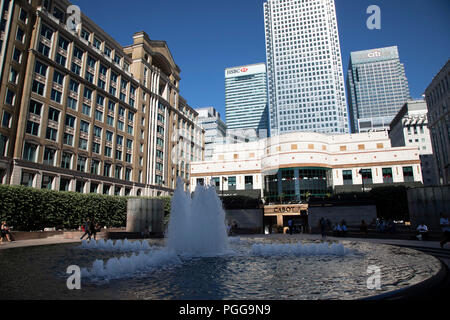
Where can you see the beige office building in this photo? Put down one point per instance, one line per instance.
(437, 96)
(79, 112)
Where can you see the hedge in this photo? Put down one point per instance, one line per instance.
(30, 209)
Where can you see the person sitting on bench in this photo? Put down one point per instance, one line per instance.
(422, 230)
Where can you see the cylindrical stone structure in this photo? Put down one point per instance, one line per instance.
(145, 215)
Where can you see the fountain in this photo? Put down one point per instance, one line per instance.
(197, 260)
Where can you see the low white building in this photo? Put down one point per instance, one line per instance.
(410, 128)
(293, 166)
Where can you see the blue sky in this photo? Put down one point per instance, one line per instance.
(207, 36)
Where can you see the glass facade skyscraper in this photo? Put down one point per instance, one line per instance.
(377, 88)
(304, 67)
(246, 97)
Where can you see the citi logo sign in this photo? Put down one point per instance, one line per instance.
(374, 54)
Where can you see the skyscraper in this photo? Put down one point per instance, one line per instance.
(304, 67)
(215, 128)
(377, 88)
(246, 97)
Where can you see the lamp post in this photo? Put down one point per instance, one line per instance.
(362, 178)
(223, 180)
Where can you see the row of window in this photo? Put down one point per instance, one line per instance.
(49, 182)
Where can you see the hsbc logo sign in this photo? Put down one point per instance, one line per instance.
(237, 71)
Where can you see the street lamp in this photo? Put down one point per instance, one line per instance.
(223, 180)
(362, 178)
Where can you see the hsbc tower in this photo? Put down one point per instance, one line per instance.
(246, 97)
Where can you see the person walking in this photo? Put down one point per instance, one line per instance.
(86, 229)
(323, 227)
(445, 225)
(290, 224)
(6, 232)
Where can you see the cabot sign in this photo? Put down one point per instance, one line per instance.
(291, 209)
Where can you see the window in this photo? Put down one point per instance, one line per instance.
(64, 184)
(98, 115)
(408, 174)
(231, 183)
(121, 111)
(51, 134)
(10, 97)
(129, 144)
(49, 156)
(248, 182)
(29, 152)
(87, 93)
(95, 147)
(119, 140)
(58, 14)
(347, 177)
(73, 86)
(107, 170)
(84, 126)
(56, 96)
(13, 76)
(387, 175)
(109, 136)
(77, 53)
(118, 155)
(47, 182)
(20, 35)
(38, 87)
(40, 68)
(118, 172)
(72, 103)
(70, 121)
(110, 120)
(32, 128)
(106, 189)
(46, 32)
(86, 110)
(95, 165)
(63, 43)
(85, 34)
(27, 179)
(6, 121)
(81, 164)
(103, 70)
(91, 62)
(3, 144)
(108, 152)
(66, 160)
(68, 139)
(58, 78)
(53, 114)
(366, 176)
(83, 144)
(76, 68)
(128, 174)
(17, 55)
(107, 51)
(97, 43)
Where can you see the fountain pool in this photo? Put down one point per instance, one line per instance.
(198, 261)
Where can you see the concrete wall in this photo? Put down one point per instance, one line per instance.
(143, 213)
(351, 214)
(250, 220)
(426, 204)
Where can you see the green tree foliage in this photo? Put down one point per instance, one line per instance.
(31, 209)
